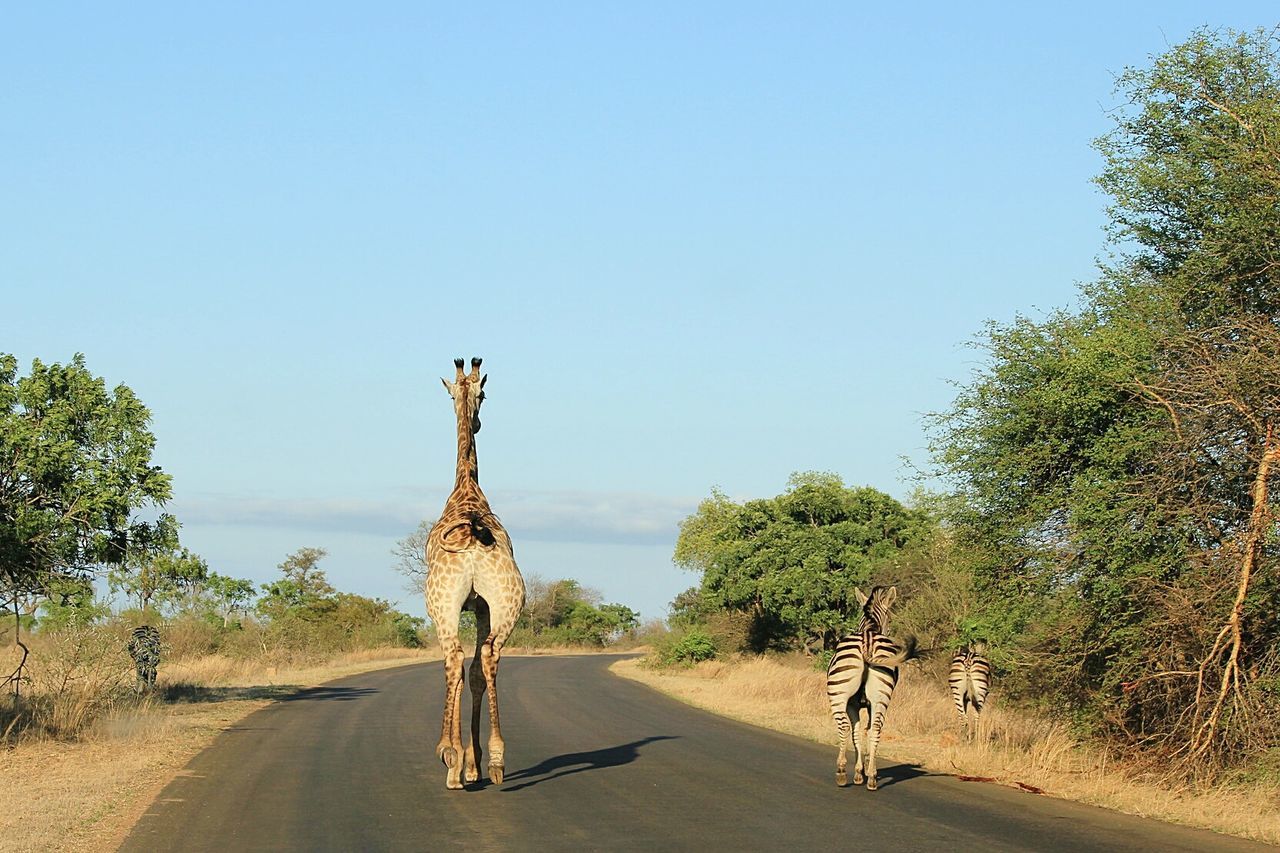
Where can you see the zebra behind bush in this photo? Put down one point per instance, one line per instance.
(969, 679)
(144, 648)
(862, 674)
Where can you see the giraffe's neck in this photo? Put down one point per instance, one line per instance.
(468, 472)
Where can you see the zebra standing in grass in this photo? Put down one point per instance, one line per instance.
(144, 648)
(862, 674)
(970, 678)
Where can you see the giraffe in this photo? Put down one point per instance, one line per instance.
(470, 566)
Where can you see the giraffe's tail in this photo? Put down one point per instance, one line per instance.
(468, 532)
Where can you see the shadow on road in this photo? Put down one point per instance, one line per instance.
(184, 692)
(899, 773)
(192, 693)
(342, 694)
(577, 762)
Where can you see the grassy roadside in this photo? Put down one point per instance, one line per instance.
(86, 794)
(1009, 748)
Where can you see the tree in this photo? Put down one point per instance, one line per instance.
(549, 603)
(1115, 464)
(70, 602)
(167, 577)
(229, 595)
(75, 467)
(304, 591)
(790, 563)
(1192, 169)
(411, 558)
(621, 619)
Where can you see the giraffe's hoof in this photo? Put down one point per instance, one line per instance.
(871, 783)
(472, 774)
(496, 772)
(841, 778)
(448, 755)
(857, 778)
(453, 784)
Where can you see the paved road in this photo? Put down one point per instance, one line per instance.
(594, 762)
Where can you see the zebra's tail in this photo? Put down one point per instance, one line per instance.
(905, 653)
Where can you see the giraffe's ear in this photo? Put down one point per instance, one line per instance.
(484, 379)
(445, 383)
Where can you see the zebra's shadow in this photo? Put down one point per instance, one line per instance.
(895, 773)
(577, 762)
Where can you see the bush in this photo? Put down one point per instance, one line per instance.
(75, 677)
(694, 646)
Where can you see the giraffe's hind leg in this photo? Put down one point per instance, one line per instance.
(449, 749)
(490, 652)
(476, 680)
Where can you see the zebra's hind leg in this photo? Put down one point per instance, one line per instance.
(874, 723)
(859, 748)
(844, 730)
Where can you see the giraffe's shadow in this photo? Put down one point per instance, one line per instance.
(577, 762)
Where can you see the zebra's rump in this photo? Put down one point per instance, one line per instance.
(865, 662)
(969, 677)
(144, 642)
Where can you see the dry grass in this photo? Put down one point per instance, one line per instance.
(85, 794)
(1008, 747)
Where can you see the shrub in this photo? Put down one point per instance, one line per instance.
(687, 650)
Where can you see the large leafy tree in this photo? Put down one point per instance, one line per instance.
(790, 563)
(1115, 462)
(75, 470)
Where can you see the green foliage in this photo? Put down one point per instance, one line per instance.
(563, 612)
(302, 611)
(71, 603)
(1191, 168)
(228, 595)
(164, 578)
(687, 649)
(303, 593)
(75, 465)
(791, 562)
(689, 608)
(1106, 460)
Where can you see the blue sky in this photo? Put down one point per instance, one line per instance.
(696, 245)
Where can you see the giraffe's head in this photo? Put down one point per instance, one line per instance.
(467, 391)
(876, 605)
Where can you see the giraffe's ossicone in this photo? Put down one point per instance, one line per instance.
(471, 565)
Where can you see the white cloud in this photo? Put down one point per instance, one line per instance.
(549, 516)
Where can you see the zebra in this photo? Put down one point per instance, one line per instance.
(862, 674)
(970, 679)
(144, 648)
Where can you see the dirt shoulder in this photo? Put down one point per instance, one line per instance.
(83, 797)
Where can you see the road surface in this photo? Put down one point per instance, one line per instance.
(594, 762)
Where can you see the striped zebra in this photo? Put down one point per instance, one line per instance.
(969, 679)
(144, 648)
(862, 674)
